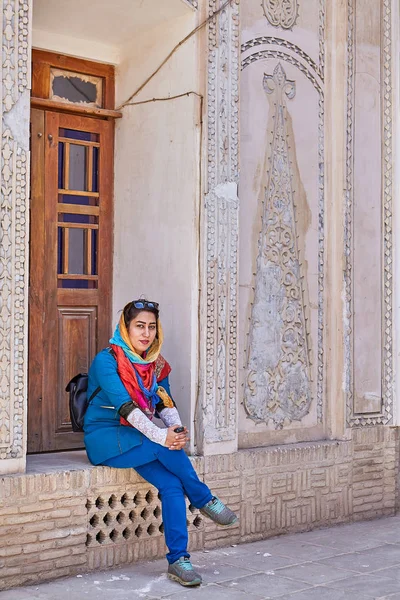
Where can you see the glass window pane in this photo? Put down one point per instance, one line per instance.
(72, 218)
(60, 165)
(94, 251)
(75, 134)
(78, 284)
(60, 247)
(95, 174)
(71, 199)
(76, 251)
(77, 88)
(77, 167)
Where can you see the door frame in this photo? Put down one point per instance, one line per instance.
(41, 426)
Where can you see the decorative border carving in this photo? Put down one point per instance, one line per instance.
(219, 360)
(288, 58)
(276, 41)
(388, 373)
(386, 415)
(13, 232)
(348, 216)
(193, 3)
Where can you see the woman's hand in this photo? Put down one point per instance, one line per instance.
(176, 441)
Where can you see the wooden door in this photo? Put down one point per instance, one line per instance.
(70, 265)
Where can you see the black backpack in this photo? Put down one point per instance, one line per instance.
(78, 400)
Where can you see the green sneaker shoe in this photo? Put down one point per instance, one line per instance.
(219, 513)
(182, 571)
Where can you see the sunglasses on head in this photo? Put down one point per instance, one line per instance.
(143, 304)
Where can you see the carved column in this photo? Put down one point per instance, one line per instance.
(15, 75)
(370, 398)
(216, 417)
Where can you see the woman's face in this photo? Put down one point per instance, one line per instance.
(142, 331)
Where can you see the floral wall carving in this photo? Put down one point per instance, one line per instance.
(15, 68)
(283, 364)
(218, 359)
(277, 385)
(281, 13)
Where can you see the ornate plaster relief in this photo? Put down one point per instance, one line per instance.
(220, 222)
(13, 226)
(272, 403)
(277, 385)
(281, 13)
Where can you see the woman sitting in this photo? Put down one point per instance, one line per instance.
(131, 386)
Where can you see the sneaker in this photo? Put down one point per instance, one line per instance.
(219, 513)
(182, 571)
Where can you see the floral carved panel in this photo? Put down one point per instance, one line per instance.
(15, 67)
(282, 229)
(277, 386)
(218, 380)
(281, 13)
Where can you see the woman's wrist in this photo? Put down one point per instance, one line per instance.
(139, 420)
(170, 416)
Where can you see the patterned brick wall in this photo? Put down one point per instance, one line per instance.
(58, 524)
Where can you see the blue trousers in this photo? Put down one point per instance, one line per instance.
(171, 472)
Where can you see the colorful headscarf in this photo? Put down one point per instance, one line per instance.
(138, 373)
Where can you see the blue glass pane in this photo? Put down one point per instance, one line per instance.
(71, 218)
(95, 174)
(60, 165)
(71, 199)
(77, 284)
(74, 134)
(60, 250)
(94, 251)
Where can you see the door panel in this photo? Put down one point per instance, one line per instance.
(77, 330)
(70, 283)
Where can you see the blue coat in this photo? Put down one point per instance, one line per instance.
(105, 437)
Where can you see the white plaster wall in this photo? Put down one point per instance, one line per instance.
(156, 195)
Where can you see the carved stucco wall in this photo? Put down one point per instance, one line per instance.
(368, 211)
(217, 410)
(291, 36)
(282, 222)
(15, 76)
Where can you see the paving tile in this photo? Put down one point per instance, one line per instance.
(389, 536)
(314, 573)
(342, 540)
(300, 550)
(393, 572)
(368, 560)
(259, 561)
(323, 593)
(373, 586)
(217, 572)
(213, 592)
(270, 586)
